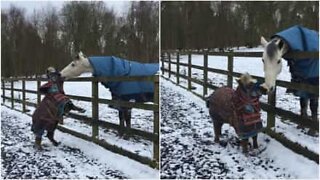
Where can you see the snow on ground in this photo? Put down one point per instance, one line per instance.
(188, 149)
(141, 119)
(73, 158)
(253, 66)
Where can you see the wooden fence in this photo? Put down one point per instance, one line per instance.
(94, 119)
(173, 57)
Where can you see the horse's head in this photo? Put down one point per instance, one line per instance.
(272, 65)
(249, 85)
(79, 65)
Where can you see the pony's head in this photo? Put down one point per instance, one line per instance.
(272, 63)
(79, 65)
(249, 85)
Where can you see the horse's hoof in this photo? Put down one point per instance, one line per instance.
(312, 132)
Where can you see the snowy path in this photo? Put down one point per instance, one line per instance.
(73, 158)
(188, 150)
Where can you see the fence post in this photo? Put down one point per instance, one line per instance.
(12, 96)
(156, 119)
(95, 109)
(230, 70)
(169, 59)
(271, 115)
(189, 71)
(205, 74)
(23, 95)
(178, 68)
(38, 91)
(3, 91)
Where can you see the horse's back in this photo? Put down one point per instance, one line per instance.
(143, 69)
(111, 66)
(220, 104)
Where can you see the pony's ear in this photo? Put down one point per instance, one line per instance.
(253, 80)
(238, 80)
(263, 41)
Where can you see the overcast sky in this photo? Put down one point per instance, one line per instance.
(120, 7)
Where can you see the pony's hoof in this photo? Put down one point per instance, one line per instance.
(223, 143)
(39, 148)
(55, 143)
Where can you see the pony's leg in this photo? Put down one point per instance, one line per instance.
(38, 143)
(314, 103)
(255, 142)
(304, 106)
(217, 130)
(244, 145)
(50, 135)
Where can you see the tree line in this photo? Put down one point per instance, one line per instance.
(51, 37)
(209, 25)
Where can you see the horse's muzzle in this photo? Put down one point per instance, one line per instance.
(263, 90)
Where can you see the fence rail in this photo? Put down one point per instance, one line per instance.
(94, 121)
(269, 107)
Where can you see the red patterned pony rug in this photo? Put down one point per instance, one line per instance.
(53, 106)
(240, 108)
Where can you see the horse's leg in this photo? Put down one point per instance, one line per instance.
(121, 118)
(304, 106)
(314, 103)
(255, 142)
(244, 145)
(128, 118)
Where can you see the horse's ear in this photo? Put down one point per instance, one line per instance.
(77, 57)
(263, 41)
(280, 44)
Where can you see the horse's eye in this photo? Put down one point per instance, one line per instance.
(279, 61)
(263, 60)
(72, 65)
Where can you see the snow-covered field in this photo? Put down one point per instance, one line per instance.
(74, 158)
(141, 119)
(253, 66)
(188, 149)
(187, 146)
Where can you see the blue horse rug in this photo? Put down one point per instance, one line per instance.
(300, 38)
(306, 71)
(110, 66)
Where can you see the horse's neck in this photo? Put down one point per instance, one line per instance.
(87, 66)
